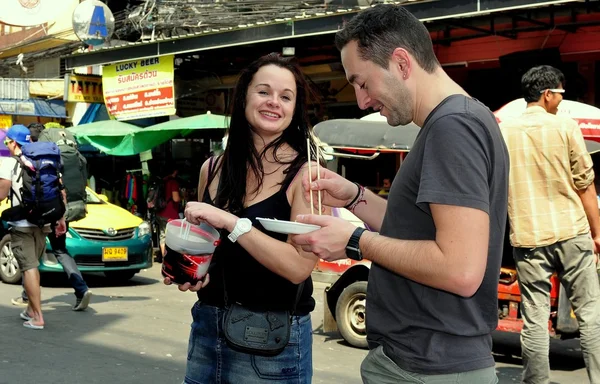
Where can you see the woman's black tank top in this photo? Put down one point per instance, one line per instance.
(247, 281)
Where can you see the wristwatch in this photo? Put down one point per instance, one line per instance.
(241, 226)
(352, 249)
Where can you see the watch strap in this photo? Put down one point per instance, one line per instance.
(355, 238)
(238, 231)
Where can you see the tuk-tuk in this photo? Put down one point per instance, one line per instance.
(345, 297)
(365, 139)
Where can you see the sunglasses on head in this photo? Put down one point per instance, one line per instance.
(554, 90)
(7, 141)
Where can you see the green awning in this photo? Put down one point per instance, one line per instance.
(121, 139)
(109, 136)
(204, 121)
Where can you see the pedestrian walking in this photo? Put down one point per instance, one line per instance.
(432, 292)
(74, 178)
(28, 238)
(554, 221)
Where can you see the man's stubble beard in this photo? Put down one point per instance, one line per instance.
(400, 112)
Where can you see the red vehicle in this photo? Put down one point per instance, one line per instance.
(345, 297)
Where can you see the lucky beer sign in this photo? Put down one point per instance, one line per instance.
(139, 88)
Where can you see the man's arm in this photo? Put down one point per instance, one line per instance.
(4, 188)
(7, 165)
(589, 200)
(583, 179)
(371, 210)
(454, 187)
(175, 196)
(455, 261)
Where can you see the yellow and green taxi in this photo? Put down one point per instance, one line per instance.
(109, 240)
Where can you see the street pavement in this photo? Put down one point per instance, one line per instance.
(138, 332)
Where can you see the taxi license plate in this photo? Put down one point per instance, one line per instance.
(114, 254)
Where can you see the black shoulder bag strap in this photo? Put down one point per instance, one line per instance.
(296, 300)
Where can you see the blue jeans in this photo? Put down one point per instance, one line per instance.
(210, 360)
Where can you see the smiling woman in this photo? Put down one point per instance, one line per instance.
(255, 270)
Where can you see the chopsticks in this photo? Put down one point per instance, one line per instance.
(309, 152)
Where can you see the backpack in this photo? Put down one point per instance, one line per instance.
(74, 175)
(35, 129)
(156, 199)
(40, 198)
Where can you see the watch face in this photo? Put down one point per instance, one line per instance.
(245, 225)
(353, 254)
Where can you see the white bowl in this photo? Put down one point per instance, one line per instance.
(287, 227)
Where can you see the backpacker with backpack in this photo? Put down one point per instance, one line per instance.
(156, 200)
(40, 197)
(74, 174)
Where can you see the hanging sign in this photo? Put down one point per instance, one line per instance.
(83, 89)
(139, 88)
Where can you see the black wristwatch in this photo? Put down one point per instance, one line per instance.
(352, 249)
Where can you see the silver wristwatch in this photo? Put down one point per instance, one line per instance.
(241, 226)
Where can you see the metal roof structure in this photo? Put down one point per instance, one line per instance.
(235, 23)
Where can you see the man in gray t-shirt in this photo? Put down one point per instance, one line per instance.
(432, 293)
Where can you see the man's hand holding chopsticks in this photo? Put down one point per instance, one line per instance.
(336, 191)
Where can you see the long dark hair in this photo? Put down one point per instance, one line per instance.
(241, 155)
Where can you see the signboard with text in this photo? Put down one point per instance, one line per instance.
(83, 89)
(139, 88)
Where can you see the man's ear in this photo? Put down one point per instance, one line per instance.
(402, 60)
(547, 95)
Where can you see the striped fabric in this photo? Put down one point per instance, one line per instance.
(548, 164)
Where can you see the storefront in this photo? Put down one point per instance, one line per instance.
(484, 45)
(477, 42)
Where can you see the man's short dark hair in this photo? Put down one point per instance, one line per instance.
(381, 29)
(538, 79)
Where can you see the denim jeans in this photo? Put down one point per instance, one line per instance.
(378, 368)
(211, 361)
(573, 260)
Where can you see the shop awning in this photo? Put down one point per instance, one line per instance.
(188, 124)
(33, 107)
(95, 112)
(157, 134)
(121, 139)
(110, 136)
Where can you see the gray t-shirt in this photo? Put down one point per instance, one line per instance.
(459, 158)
